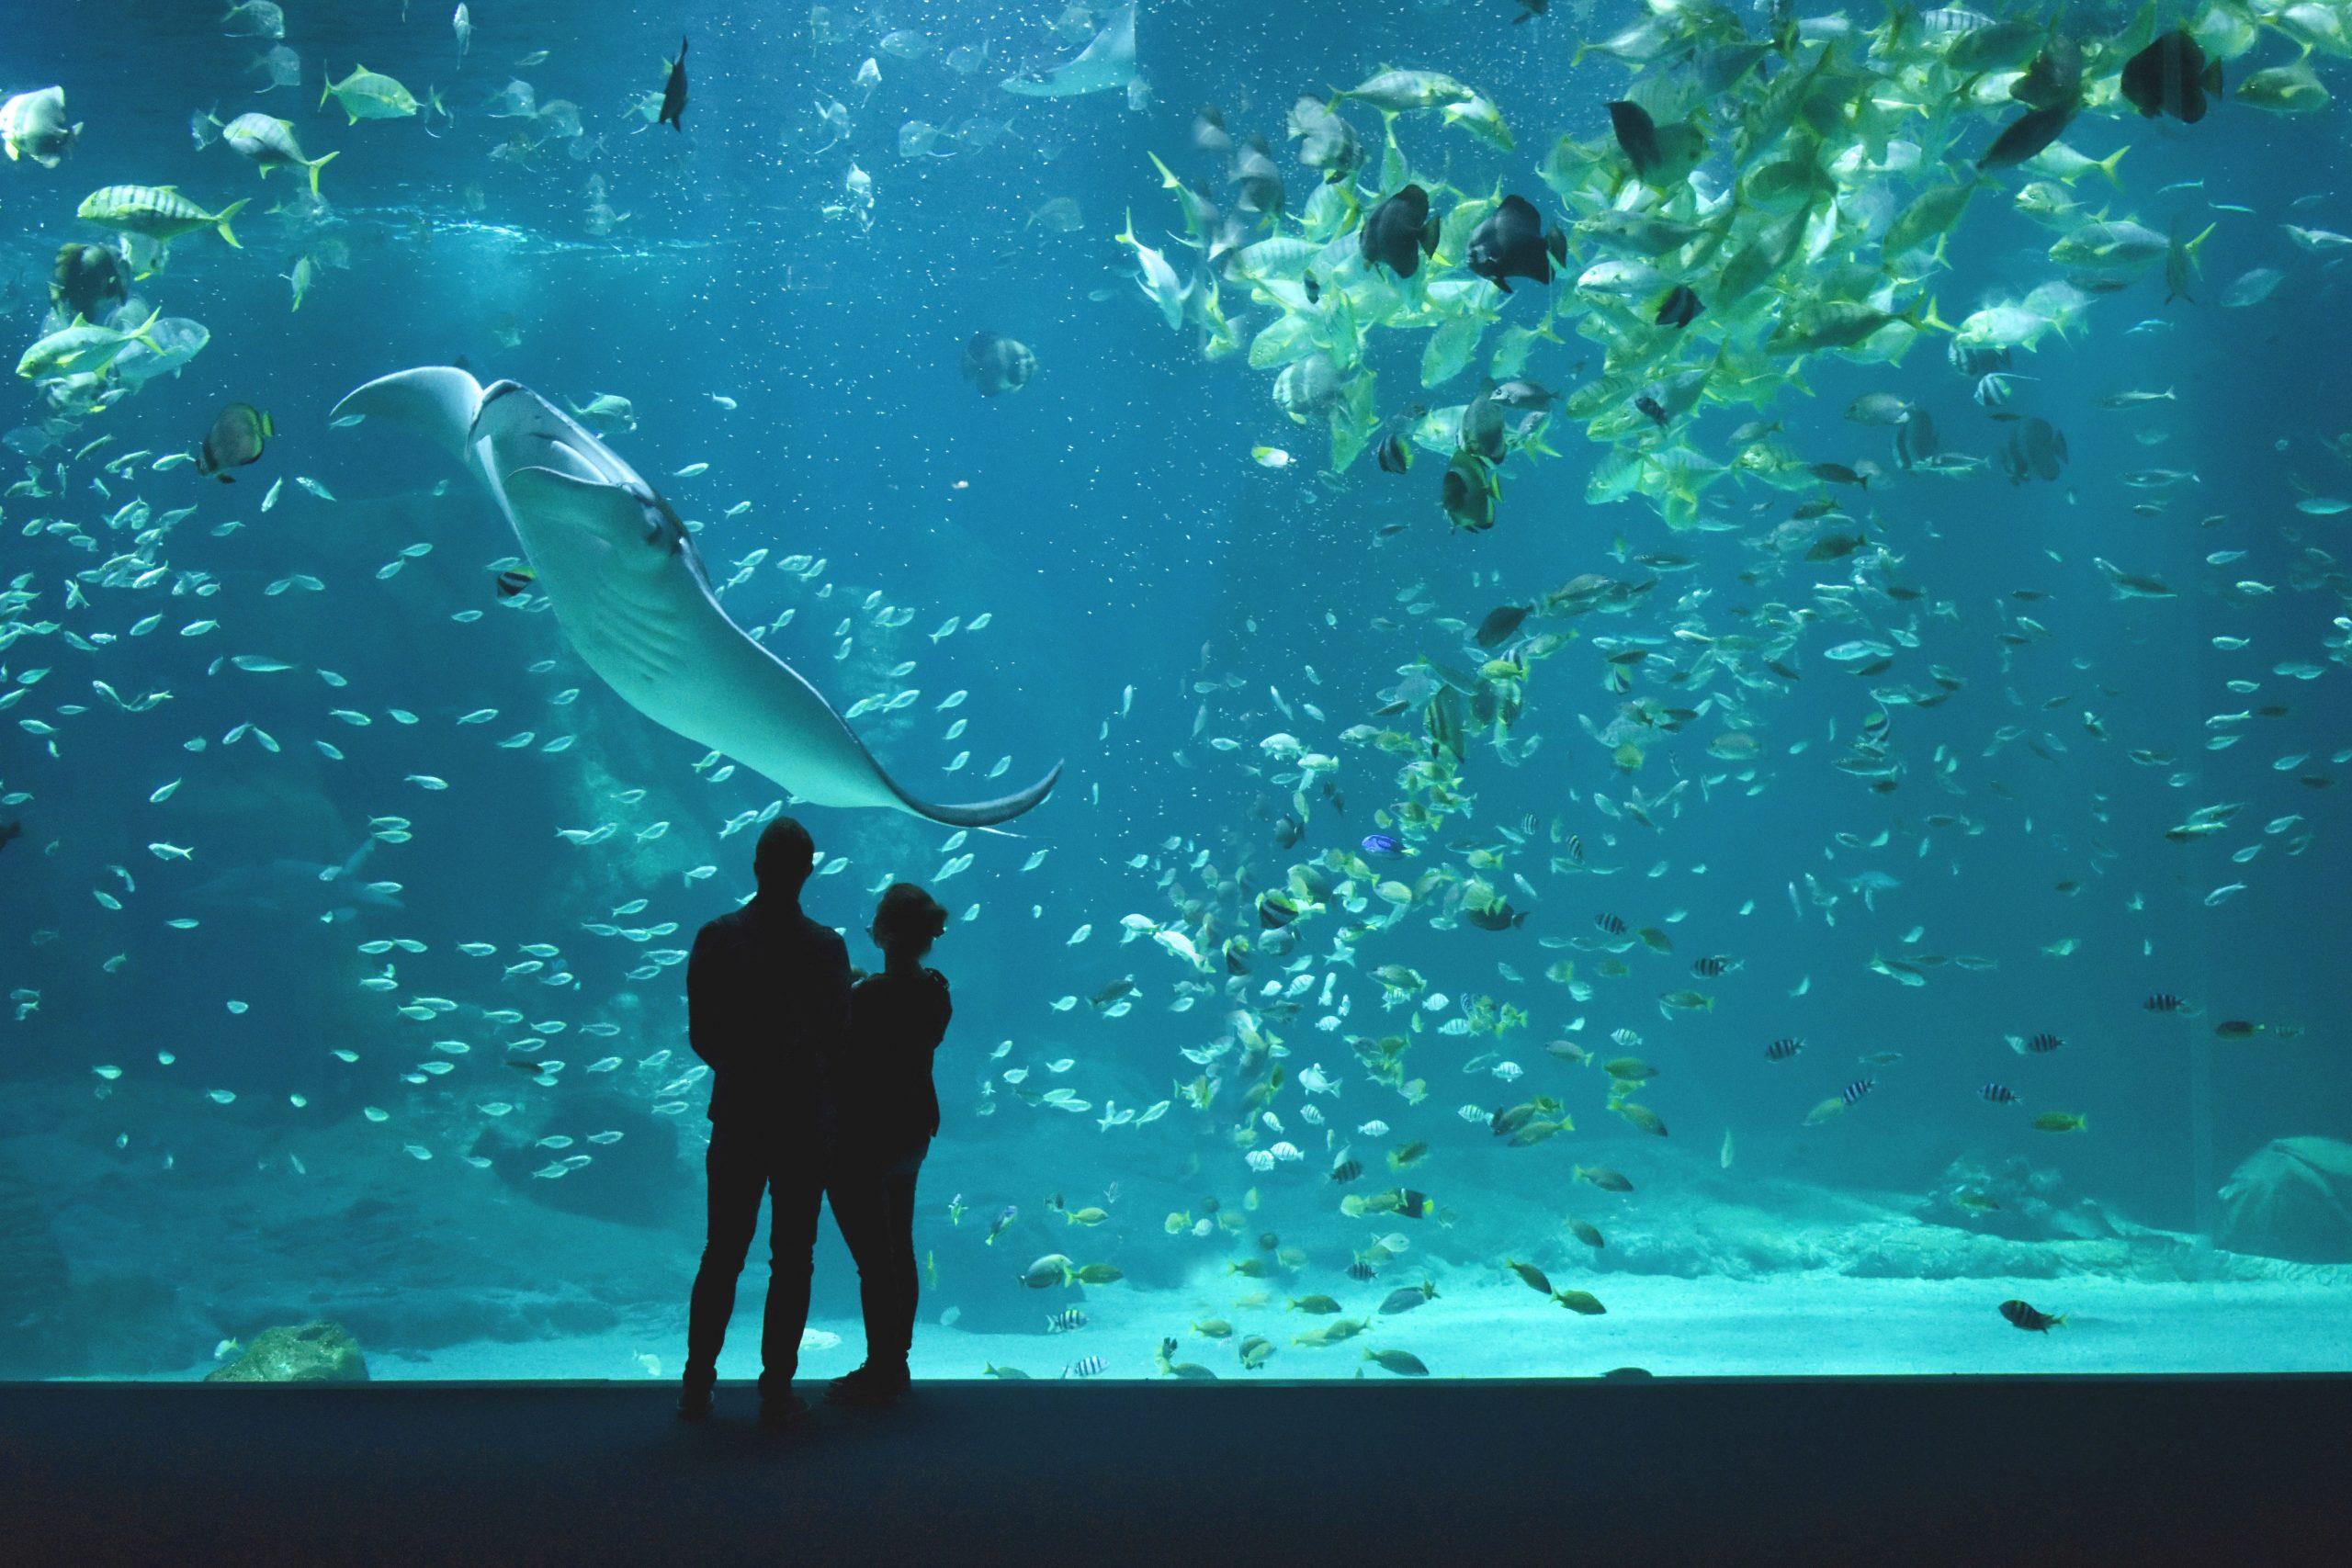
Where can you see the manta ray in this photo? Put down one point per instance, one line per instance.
(1107, 64)
(628, 589)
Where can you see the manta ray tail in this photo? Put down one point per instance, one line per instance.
(982, 814)
(438, 402)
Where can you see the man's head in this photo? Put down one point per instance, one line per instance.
(784, 859)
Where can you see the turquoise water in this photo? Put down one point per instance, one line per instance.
(344, 927)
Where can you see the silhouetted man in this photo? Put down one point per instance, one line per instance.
(767, 1002)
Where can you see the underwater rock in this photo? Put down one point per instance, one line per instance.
(2288, 1200)
(309, 1352)
(2011, 1198)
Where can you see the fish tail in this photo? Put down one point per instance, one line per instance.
(1930, 319)
(326, 88)
(2106, 166)
(315, 165)
(220, 221)
(143, 332)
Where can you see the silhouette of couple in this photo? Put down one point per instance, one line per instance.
(821, 1088)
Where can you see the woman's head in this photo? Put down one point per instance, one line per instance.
(907, 921)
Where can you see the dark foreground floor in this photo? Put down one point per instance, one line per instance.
(2042, 1471)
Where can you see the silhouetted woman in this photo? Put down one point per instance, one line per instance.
(887, 1113)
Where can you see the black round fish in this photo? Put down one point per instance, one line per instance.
(1637, 134)
(235, 439)
(1679, 307)
(2171, 76)
(1399, 232)
(2027, 135)
(1511, 244)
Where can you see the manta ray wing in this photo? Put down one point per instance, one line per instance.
(1105, 64)
(438, 402)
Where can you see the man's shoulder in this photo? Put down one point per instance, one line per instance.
(725, 925)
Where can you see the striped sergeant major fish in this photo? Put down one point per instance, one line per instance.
(1085, 1367)
(2023, 1315)
(1858, 1088)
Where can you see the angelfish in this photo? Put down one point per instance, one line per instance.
(629, 590)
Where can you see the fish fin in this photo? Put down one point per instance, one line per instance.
(315, 165)
(143, 332)
(220, 221)
(438, 401)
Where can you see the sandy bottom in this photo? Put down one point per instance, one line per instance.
(1792, 1326)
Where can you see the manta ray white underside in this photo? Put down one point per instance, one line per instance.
(628, 587)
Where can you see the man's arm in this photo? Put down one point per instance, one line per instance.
(707, 1008)
(828, 1008)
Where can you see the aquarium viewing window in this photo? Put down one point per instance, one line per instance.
(1573, 690)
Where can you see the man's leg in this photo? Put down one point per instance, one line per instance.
(734, 1182)
(796, 1187)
